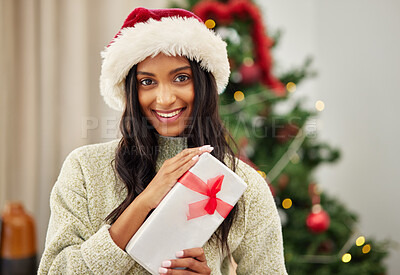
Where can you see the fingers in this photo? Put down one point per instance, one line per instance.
(186, 163)
(183, 167)
(191, 152)
(188, 157)
(193, 260)
(196, 252)
(189, 263)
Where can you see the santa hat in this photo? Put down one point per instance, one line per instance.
(145, 33)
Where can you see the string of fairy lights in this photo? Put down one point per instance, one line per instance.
(291, 156)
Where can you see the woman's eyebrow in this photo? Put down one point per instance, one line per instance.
(179, 69)
(145, 73)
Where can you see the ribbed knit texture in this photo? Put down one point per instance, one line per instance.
(87, 190)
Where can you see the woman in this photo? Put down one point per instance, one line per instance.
(164, 70)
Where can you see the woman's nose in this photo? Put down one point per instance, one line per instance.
(165, 95)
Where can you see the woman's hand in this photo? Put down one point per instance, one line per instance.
(169, 173)
(193, 260)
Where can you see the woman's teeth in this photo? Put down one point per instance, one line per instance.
(169, 114)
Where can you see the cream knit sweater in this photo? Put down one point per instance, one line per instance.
(87, 190)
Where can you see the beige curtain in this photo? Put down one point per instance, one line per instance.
(20, 101)
(50, 102)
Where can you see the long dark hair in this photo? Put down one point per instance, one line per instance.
(137, 152)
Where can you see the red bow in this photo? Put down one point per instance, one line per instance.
(210, 189)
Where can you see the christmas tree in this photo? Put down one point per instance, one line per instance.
(320, 233)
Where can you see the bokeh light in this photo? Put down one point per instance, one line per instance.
(287, 203)
(248, 61)
(366, 248)
(360, 241)
(291, 87)
(346, 258)
(210, 24)
(319, 105)
(238, 95)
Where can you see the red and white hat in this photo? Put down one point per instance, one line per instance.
(145, 33)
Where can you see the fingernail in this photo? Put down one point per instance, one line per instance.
(204, 147)
(179, 254)
(195, 157)
(166, 264)
(210, 149)
(162, 270)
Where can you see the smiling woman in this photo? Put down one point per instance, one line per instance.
(166, 92)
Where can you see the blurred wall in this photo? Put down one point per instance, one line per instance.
(355, 45)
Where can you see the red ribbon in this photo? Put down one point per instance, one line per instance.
(210, 189)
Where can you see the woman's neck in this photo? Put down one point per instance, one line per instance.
(169, 147)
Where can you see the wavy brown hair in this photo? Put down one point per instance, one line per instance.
(137, 152)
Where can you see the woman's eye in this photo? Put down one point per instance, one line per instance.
(181, 78)
(146, 82)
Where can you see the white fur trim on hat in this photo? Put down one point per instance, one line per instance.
(176, 36)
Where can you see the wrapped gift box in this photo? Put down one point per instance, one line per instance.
(188, 215)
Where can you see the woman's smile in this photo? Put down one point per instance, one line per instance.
(169, 113)
(169, 117)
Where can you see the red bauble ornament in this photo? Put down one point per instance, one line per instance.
(250, 73)
(318, 220)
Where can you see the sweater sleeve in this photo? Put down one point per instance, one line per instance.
(73, 245)
(261, 249)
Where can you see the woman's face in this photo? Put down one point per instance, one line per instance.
(166, 92)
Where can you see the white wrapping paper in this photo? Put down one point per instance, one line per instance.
(167, 230)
